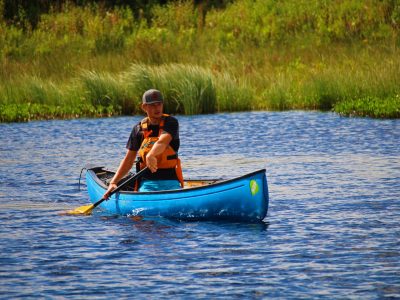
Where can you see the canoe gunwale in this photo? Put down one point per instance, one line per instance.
(99, 182)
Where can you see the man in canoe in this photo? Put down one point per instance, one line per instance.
(155, 141)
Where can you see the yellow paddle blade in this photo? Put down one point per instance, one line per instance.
(83, 210)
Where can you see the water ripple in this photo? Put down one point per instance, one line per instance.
(332, 230)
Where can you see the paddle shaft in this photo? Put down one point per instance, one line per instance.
(118, 188)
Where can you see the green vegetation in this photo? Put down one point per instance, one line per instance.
(249, 55)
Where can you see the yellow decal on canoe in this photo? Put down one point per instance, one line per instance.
(254, 187)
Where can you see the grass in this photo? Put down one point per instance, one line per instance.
(187, 89)
(370, 107)
(85, 61)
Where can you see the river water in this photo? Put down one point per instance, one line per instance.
(332, 229)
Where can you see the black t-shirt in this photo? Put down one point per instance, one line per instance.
(135, 140)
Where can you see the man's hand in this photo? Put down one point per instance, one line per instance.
(151, 163)
(111, 187)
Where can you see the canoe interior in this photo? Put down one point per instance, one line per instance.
(105, 177)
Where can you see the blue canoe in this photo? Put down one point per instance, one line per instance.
(243, 198)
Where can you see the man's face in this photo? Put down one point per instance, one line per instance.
(153, 110)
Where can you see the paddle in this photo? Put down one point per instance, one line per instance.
(87, 209)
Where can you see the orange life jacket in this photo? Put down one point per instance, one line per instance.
(168, 159)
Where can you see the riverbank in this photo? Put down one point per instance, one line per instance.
(89, 62)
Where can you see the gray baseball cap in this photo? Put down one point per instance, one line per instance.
(152, 96)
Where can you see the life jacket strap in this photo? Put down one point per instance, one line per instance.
(145, 126)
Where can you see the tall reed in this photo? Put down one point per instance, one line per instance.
(187, 89)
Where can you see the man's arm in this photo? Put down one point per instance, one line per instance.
(124, 167)
(158, 148)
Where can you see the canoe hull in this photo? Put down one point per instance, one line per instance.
(240, 199)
